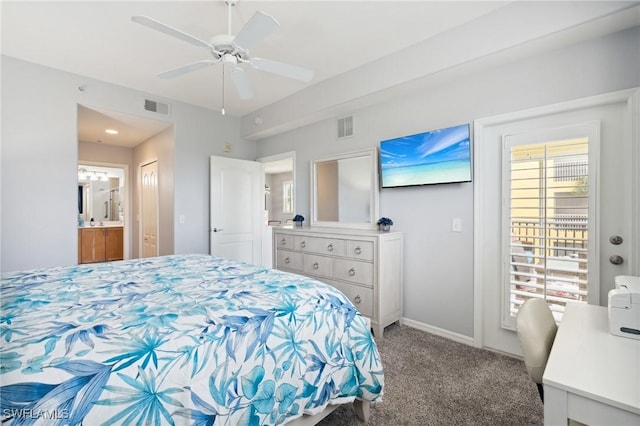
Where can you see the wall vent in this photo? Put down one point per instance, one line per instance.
(158, 107)
(345, 127)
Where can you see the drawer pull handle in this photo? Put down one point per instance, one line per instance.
(358, 250)
(283, 241)
(303, 244)
(287, 260)
(330, 247)
(316, 266)
(357, 299)
(352, 272)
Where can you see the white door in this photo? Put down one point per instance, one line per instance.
(616, 195)
(149, 209)
(236, 222)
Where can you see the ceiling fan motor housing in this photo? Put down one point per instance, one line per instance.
(223, 43)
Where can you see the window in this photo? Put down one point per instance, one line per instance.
(287, 197)
(546, 203)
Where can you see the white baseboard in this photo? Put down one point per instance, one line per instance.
(461, 338)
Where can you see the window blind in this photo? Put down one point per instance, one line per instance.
(549, 217)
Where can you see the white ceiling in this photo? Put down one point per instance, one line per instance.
(97, 39)
(93, 123)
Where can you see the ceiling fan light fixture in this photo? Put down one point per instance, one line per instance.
(228, 58)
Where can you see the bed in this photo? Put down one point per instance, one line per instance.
(183, 339)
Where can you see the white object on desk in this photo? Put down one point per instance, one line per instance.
(591, 376)
(624, 307)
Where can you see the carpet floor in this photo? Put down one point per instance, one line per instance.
(431, 380)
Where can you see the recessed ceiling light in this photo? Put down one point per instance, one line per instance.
(111, 131)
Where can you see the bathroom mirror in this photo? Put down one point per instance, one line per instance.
(344, 190)
(99, 194)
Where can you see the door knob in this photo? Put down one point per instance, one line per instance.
(615, 240)
(616, 260)
(217, 229)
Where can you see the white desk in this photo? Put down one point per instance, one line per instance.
(591, 376)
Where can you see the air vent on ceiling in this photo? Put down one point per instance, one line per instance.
(345, 127)
(158, 107)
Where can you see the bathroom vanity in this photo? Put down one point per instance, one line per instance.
(100, 243)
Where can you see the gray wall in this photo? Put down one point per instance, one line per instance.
(40, 144)
(438, 264)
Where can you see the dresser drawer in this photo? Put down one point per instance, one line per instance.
(361, 297)
(353, 270)
(289, 260)
(318, 265)
(359, 249)
(285, 241)
(328, 246)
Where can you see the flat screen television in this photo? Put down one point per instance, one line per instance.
(436, 156)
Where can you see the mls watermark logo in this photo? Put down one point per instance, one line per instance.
(33, 414)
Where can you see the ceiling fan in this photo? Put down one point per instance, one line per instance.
(232, 51)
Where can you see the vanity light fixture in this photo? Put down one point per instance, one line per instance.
(93, 175)
(97, 176)
(82, 174)
(111, 131)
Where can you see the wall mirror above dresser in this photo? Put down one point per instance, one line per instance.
(344, 190)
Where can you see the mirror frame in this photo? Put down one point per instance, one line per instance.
(372, 153)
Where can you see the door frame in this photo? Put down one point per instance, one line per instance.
(267, 248)
(128, 189)
(631, 97)
(282, 156)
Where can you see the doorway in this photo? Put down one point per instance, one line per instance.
(609, 119)
(110, 139)
(279, 189)
(279, 197)
(103, 200)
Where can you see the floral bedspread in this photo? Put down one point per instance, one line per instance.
(192, 339)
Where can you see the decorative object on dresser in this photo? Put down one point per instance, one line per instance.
(366, 265)
(384, 224)
(298, 219)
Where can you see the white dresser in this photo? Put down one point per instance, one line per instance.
(365, 265)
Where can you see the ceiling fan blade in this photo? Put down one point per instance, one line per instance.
(241, 82)
(259, 26)
(175, 72)
(163, 28)
(285, 70)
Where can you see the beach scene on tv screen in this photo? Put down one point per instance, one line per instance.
(438, 156)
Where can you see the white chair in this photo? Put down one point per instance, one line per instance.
(536, 330)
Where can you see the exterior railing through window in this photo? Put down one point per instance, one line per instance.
(549, 261)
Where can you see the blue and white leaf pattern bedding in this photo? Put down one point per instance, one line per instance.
(187, 340)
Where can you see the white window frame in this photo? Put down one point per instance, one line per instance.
(591, 130)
